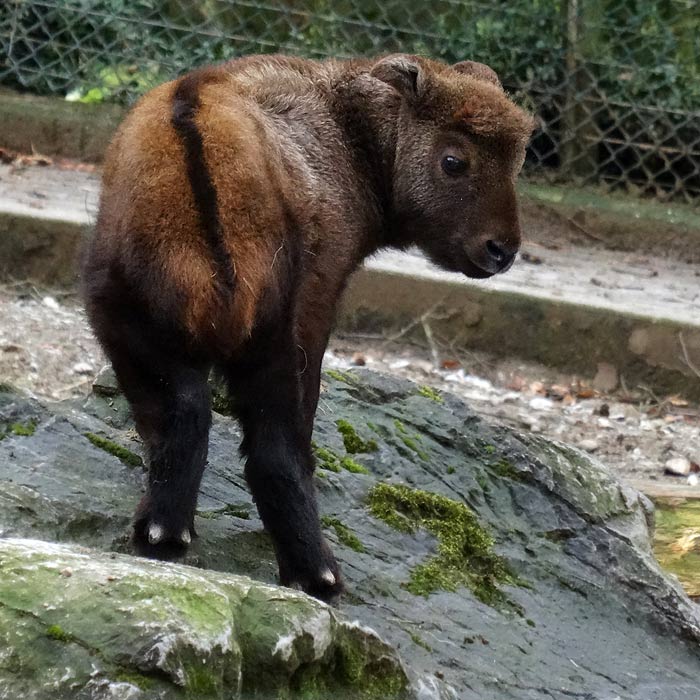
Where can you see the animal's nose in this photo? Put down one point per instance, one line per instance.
(500, 256)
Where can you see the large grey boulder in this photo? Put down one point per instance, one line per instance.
(496, 565)
(77, 623)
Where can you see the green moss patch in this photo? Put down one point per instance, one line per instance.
(504, 468)
(354, 444)
(125, 456)
(465, 549)
(56, 632)
(430, 393)
(200, 682)
(330, 461)
(339, 376)
(127, 675)
(345, 535)
(412, 442)
(353, 676)
(22, 429)
(350, 465)
(419, 641)
(326, 459)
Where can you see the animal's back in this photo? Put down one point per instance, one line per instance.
(202, 259)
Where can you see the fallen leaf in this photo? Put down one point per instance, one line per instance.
(358, 359)
(689, 541)
(516, 384)
(450, 364)
(558, 392)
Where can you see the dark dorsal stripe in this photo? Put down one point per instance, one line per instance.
(185, 105)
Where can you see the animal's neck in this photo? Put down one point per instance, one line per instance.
(369, 118)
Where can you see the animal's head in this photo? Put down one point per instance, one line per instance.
(460, 146)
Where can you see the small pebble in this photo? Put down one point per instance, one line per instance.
(400, 364)
(82, 368)
(526, 421)
(588, 445)
(678, 465)
(693, 480)
(67, 572)
(51, 303)
(539, 403)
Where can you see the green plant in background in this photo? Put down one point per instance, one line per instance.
(111, 81)
(628, 75)
(642, 49)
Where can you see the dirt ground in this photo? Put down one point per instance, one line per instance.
(46, 348)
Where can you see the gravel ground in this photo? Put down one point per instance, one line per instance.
(47, 349)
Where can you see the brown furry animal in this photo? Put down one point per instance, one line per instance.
(236, 202)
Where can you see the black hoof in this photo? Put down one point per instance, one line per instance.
(321, 579)
(160, 535)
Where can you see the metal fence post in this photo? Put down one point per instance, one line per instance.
(579, 133)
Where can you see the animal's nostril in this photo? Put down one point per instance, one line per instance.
(496, 252)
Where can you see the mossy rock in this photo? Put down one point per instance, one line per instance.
(494, 555)
(134, 628)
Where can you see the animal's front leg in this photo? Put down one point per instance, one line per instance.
(279, 465)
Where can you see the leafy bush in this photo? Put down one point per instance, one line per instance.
(636, 75)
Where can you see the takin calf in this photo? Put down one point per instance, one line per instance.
(236, 201)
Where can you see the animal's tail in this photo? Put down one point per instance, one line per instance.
(184, 109)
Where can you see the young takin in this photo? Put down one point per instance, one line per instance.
(235, 203)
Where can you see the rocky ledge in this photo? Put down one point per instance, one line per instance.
(480, 564)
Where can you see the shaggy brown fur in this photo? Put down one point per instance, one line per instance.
(236, 202)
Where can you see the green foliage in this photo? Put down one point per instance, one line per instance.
(637, 50)
(111, 81)
(635, 66)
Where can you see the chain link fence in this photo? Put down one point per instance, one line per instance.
(616, 83)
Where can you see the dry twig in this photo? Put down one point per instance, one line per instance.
(686, 358)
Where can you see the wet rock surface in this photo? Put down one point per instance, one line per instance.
(497, 565)
(77, 623)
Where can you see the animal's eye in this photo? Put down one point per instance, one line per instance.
(454, 166)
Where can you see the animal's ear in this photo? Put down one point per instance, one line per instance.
(478, 70)
(403, 73)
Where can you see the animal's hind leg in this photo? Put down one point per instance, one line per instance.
(170, 400)
(279, 465)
